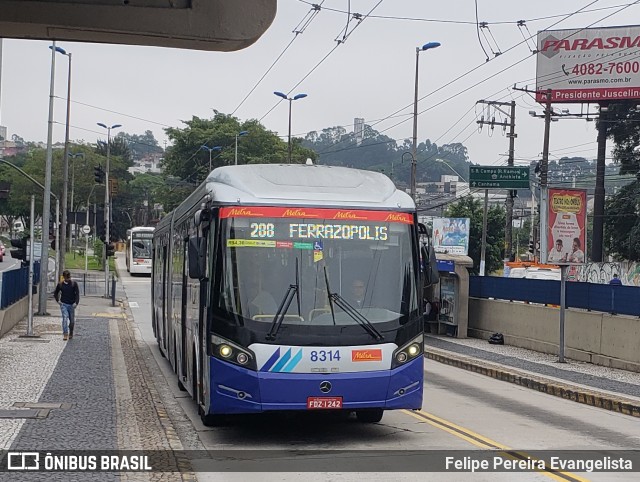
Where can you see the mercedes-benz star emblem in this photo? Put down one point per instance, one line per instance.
(325, 387)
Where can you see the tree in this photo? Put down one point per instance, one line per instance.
(471, 208)
(141, 145)
(622, 213)
(188, 161)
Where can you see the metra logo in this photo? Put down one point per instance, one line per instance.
(243, 212)
(296, 213)
(397, 217)
(366, 355)
(346, 215)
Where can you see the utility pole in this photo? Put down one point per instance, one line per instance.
(508, 231)
(598, 196)
(544, 190)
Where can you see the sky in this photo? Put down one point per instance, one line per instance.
(370, 74)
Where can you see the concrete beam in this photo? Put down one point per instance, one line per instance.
(222, 25)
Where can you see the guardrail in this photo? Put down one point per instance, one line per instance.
(589, 296)
(15, 284)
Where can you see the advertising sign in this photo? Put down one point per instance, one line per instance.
(566, 232)
(589, 65)
(451, 235)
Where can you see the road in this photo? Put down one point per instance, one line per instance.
(8, 262)
(461, 411)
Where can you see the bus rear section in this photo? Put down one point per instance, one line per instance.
(315, 309)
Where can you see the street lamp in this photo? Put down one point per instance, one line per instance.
(65, 164)
(107, 210)
(210, 149)
(239, 134)
(290, 99)
(46, 203)
(427, 46)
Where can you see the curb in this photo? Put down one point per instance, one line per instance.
(567, 391)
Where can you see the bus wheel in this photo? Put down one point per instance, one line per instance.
(370, 415)
(211, 420)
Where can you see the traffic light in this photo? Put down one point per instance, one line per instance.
(20, 251)
(98, 174)
(111, 249)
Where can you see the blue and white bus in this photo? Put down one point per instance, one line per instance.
(138, 250)
(293, 287)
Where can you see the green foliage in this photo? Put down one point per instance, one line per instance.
(336, 147)
(471, 208)
(140, 145)
(187, 161)
(622, 223)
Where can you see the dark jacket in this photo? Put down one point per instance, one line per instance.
(615, 282)
(68, 293)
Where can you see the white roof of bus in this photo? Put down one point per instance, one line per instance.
(306, 184)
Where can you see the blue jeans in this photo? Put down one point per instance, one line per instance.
(68, 317)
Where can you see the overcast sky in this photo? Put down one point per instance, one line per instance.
(369, 75)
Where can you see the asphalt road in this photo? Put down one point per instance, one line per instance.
(461, 411)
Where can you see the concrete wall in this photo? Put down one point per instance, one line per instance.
(594, 337)
(10, 316)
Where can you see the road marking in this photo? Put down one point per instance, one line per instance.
(133, 304)
(486, 443)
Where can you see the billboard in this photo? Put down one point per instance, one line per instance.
(451, 235)
(588, 65)
(566, 231)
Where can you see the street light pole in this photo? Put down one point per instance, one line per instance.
(46, 202)
(414, 150)
(61, 249)
(290, 99)
(241, 133)
(107, 210)
(210, 149)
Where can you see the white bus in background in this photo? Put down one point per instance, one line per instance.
(139, 250)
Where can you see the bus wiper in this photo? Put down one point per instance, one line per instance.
(356, 315)
(326, 281)
(284, 306)
(350, 310)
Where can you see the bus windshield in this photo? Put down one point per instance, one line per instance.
(141, 245)
(315, 257)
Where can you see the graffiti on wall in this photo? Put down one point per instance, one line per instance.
(602, 273)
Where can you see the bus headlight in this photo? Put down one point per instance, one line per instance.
(230, 352)
(408, 352)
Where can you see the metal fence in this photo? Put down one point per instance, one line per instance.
(14, 284)
(622, 300)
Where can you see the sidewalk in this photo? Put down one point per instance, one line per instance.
(94, 392)
(603, 387)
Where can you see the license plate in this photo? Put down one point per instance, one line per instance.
(323, 403)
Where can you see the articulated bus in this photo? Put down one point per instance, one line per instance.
(139, 250)
(293, 287)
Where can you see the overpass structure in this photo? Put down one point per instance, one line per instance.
(219, 25)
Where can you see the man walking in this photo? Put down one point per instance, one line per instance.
(67, 294)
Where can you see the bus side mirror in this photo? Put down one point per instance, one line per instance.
(429, 266)
(196, 252)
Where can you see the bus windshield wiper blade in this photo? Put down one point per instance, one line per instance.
(326, 281)
(284, 307)
(356, 315)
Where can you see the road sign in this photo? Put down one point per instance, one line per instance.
(86, 229)
(499, 177)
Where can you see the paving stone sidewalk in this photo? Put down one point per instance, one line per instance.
(99, 390)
